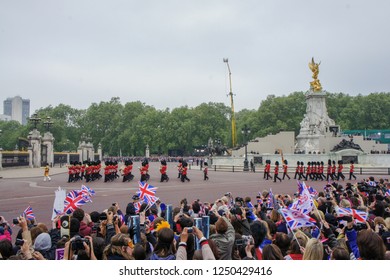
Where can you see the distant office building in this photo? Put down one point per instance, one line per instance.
(17, 108)
(5, 117)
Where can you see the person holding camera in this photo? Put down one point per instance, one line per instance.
(181, 254)
(224, 236)
(110, 226)
(86, 223)
(78, 248)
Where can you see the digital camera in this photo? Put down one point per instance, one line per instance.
(190, 230)
(19, 242)
(77, 243)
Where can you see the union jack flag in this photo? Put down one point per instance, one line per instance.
(272, 201)
(296, 219)
(87, 191)
(312, 191)
(137, 206)
(304, 203)
(28, 213)
(387, 193)
(150, 200)
(146, 190)
(372, 183)
(360, 216)
(301, 186)
(73, 200)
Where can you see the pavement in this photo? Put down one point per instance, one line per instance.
(27, 172)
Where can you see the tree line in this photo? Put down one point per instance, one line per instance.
(127, 129)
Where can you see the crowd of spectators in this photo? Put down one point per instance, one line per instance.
(240, 229)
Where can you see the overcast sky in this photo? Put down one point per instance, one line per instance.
(170, 53)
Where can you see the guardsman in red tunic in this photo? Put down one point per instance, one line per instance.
(352, 170)
(184, 172)
(96, 170)
(70, 172)
(107, 171)
(302, 171)
(334, 170)
(276, 172)
(314, 170)
(297, 170)
(308, 171)
(267, 170)
(206, 171)
(82, 170)
(147, 169)
(321, 171)
(115, 170)
(285, 168)
(88, 172)
(77, 170)
(143, 170)
(125, 171)
(340, 170)
(130, 170)
(329, 171)
(179, 168)
(163, 171)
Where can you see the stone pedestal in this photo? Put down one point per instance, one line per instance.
(100, 152)
(147, 151)
(30, 160)
(48, 141)
(315, 124)
(86, 151)
(35, 140)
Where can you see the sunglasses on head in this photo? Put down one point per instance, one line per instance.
(130, 244)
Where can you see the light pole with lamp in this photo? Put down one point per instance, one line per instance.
(245, 131)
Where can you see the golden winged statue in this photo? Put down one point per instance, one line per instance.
(315, 85)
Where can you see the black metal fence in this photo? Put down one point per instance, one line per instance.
(15, 159)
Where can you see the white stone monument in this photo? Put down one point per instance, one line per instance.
(316, 123)
(35, 140)
(48, 141)
(147, 151)
(85, 149)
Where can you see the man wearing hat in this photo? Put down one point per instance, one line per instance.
(163, 171)
(276, 172)
(352, 170)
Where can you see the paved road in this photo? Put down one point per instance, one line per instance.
(22, 187)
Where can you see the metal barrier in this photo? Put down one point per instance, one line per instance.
(358, 170)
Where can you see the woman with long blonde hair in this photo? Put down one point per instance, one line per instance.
(314, 250)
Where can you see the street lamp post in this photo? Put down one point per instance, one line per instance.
(48, 123)
(245, 131)
(35, 120)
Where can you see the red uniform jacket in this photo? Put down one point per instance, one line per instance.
(163, 169)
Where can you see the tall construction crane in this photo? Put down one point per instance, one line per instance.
(233, 119)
